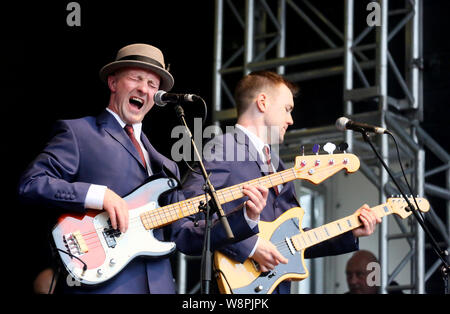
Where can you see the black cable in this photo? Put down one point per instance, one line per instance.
(404, 175)
(54, 279)
(71, 255)
(180, 113)
(217, 270)
(206, 110)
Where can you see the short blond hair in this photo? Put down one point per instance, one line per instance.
(252, 84)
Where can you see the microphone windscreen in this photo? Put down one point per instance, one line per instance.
(158, 98)
(341, 123)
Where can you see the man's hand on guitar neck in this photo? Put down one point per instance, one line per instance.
(257, 198)
(369, 220)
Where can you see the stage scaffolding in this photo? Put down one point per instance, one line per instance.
(263, 26)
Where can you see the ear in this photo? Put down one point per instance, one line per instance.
(112, 83)
(261, 102)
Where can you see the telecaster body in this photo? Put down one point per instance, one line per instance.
(246, 277)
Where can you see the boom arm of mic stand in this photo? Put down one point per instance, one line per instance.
(435, 246)
(210, 188)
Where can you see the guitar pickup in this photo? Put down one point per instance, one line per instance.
(256, 265)
(110, 234)
(289, 244)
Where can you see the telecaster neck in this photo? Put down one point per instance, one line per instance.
(333, 229)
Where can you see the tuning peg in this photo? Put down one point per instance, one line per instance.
(343, 147)
(303, 150)
(316, 149)
(329, 148)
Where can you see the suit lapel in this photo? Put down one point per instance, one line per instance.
(244, 144)
(113, 128)
(156, 159)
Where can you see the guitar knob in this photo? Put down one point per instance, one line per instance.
(258, 288)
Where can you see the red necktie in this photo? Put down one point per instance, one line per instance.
(130, 131)
(269, 165)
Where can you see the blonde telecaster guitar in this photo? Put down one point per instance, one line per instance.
(286, 234)
(93, 252)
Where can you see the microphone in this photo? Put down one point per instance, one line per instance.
(163, 98)
(344, 123)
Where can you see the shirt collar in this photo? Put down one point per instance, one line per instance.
(137, 127)
(255, 140)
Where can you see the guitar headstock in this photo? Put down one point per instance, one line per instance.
(398, 205)
(317, 168)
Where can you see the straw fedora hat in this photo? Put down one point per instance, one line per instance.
(142, 56)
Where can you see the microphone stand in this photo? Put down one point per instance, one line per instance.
(206, 265)
(445, 269)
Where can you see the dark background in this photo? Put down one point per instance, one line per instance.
(51, 72)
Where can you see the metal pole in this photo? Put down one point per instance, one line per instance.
(348, 66)
(447, 176)
(182, 274)
(281, 47)
(381, 79)
(218, 27)
(249, 32)
(420, 235)
(414, 80)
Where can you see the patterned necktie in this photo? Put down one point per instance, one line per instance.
(269, 165)
(130, 131)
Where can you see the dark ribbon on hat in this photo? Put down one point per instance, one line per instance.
(143, 59)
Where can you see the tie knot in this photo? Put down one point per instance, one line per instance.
(129, 129)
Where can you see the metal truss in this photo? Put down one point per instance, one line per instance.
(257, 34)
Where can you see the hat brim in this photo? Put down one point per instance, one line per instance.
(167, 80)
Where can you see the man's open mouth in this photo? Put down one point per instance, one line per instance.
(136, 101)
